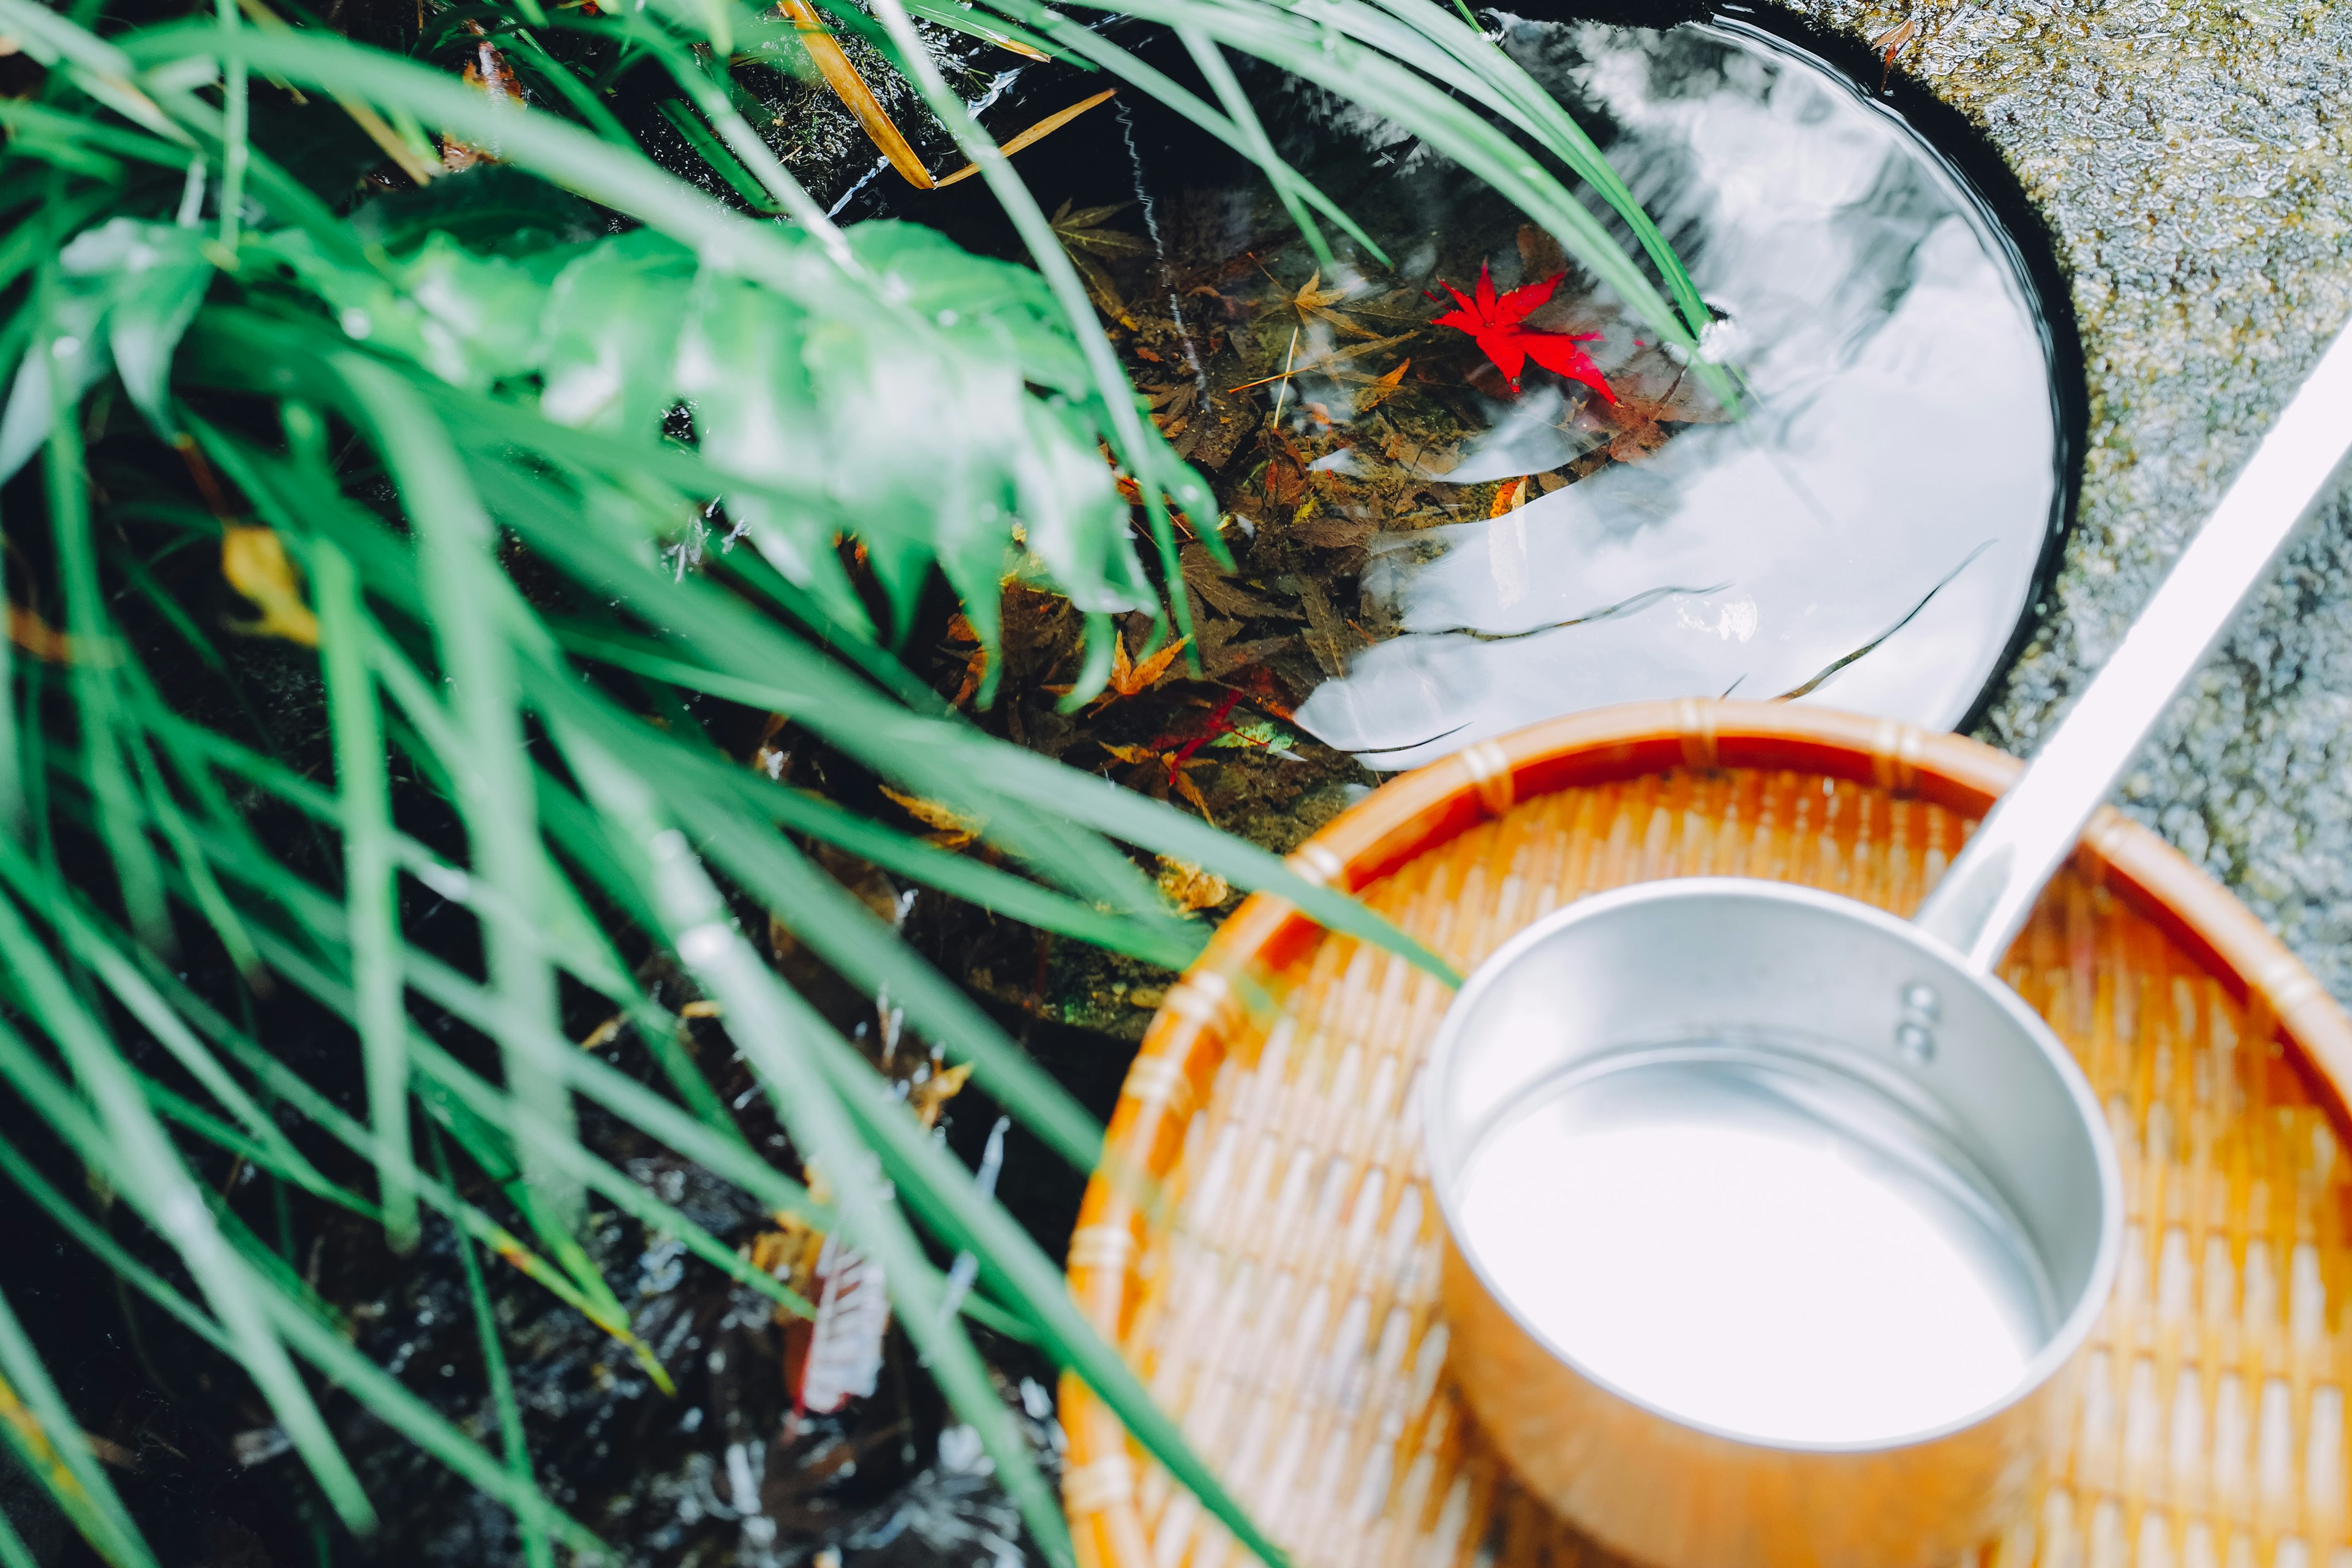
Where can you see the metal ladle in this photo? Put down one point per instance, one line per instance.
(1777, 1225)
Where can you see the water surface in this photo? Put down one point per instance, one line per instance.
(1867, 536)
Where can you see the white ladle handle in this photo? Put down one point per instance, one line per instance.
(1982, 902)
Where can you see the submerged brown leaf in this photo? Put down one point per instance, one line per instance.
(1313, 302)
(1084, 230)
(1382, 388)
(1085, 239)
(1126, 679)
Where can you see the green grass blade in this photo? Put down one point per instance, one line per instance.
(289, 1085)
(1101, 806)
(714, 153)
(539, 1551)
(1088, 44)
(148, 1172)
(856, 942)
(468, 594)
(171, 822)
(1160, 474)
(396, 1407)
(234, 130)
(553, 148)
(118, 1259)
(568, 86)
(13, 1553)
(57, 904)
(823, 696)
(1543, 116)
(95, 697)
(760, 1022)
(1219, 73)
(772, 182)
(363, 793)
(97, 66)
(39, 1426)
(729, 1156)
(1344, 66)
(943, 1193)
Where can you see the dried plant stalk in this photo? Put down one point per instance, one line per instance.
(851, 89)
(1037, 133)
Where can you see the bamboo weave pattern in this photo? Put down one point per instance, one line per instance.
(1288, 1314)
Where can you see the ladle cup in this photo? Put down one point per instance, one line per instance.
(1776, 1224)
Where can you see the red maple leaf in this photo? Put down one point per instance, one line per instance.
(1494, 323)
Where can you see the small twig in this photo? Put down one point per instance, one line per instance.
(1287, 362)
(1334, 357)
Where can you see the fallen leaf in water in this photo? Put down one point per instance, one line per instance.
(1313, 302)
(1083, 230)
(1511, 495)
(1127, 679)
(789, 1253)
(1383, 389)
(1495, 324)
(1084, 238)
(1224, 593)
(1890, 44)
(1637, 421)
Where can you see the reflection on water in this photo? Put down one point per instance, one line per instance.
(1866, 537)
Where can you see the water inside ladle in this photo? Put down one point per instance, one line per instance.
(1772, 1272)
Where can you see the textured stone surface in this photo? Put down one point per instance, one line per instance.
(2194, 161)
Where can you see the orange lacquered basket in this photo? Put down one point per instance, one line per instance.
(1286, 1310)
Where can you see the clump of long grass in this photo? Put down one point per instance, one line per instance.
(366, 409)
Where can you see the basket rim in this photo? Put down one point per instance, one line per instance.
(1423, 810)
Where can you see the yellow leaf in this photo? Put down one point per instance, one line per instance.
(932, 1093)
(254, 561)
(1189, 887)
(1127, 678)
(952, 828)
(1383, 389)
(1152, 669)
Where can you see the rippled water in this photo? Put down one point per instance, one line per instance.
(1868, 536)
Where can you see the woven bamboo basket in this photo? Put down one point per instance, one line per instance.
(1281, 1299)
